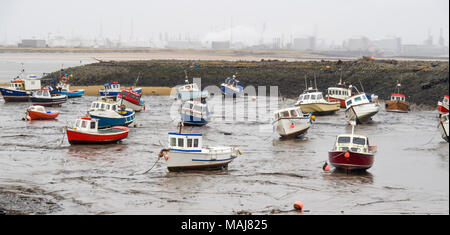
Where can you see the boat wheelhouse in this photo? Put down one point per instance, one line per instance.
(190, 91)
(443, 106)
(131, 99)
(194, 113)
(312, 101)
(45, 98)
(232, 87)
(110, 90)
(360, 109)
(21, 88)
(292, 122)
(86, 131)
(186, 152)
(339, 93)
(110, 113)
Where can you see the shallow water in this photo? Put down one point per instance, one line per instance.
(410, 174)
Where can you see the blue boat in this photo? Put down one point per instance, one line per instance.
(194, 113)
(110, 89)
(109, 113)
(232, 87)
(21, 88)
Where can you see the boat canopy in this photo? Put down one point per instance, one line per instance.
(42, 93)
(185, 142)
(288, 113)
(339, 91)
(355, 143)
(86, 124)
(112, 86)
(37, 108)
(104, 105)
(400, 97)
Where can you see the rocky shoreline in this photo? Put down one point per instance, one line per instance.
(423, 82)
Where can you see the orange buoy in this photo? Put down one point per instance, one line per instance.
(298, 205)
(166, 157)
(292, 125)
(326, 167)
(347, 155)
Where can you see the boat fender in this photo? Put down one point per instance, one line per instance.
(292, 125)
(347, 155)
(298, 205)
(239, 151)
(313, 117)
(326, 167)
(166, 157)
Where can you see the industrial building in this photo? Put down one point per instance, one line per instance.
(32, 43)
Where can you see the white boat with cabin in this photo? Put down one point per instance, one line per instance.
(360, 109)
(292, 122)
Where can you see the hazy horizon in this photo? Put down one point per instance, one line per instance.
(332, 21)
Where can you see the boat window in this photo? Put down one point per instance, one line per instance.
(108, 107)
(114, 107)
(132, 96)
(103, 106)
(300, 97)
(313, 97)
(189, 143)
(84, 124)
(343, 140)
(92, 125)
(173, 142)
(195, 143)
(293, 113)
(306, 97)
(180, 142)
(285, 114)
(198, 108)
(358, 99)
(349, 102)
(124, 93)
(93, 105)
(360, 141)
(97, 105)
(319, 96)
(77, 123)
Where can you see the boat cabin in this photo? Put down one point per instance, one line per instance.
(354, 143)
(188, 87)
(131, 96)
(17, 85)
(38, 108)
(104, 105)
(195, 107)
(289, 113)
(311, 97)
(339, 92)
(114, 86)
(399, 97)
(356, 100)
(185, 142)
(232, 82)
(42, 93)
(86, 124)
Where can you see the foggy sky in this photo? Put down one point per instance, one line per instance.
(331, 20)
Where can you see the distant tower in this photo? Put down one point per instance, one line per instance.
(429, 40)
(441, 38)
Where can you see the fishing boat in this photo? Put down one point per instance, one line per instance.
(194, 113)
(110, 90)
(443, 106)
(186, 152)
(352, 152)
(109, 113)
(45, 98)
(38, 112)
(86, 131)
(443, 126)
(397, 102)
(360, 109)
(21, 88)
(232, 87)
(292, 122)
(339, 93)
(312, 101)
(190, 91)
(131, 100)
(63, 86)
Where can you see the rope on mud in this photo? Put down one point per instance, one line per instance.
(148, 169)
(63, 137)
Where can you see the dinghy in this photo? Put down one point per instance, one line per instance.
(38, 112)
(85, 131)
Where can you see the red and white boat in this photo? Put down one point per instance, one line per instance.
(131, 100)
(38, 112)
(85, 131)
(352, 152)
(443, 106)
(339, 93)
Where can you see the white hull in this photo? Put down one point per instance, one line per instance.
(292, 126)
(362, 113)
(128, 104)
(211, 158)
(443, 127)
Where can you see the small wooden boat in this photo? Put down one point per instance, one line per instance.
(360, 109)
(110, 113)
(443, 106)
(397, 102)
(85, 131)
(186, 152)
(232, 87)
(38, 112)
(443, 127)
(45, 98)
(131, 100)
(352, 152)
(292, 122)
(194, 113)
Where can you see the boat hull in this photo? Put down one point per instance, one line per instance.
(441, 108)
(341, 101)
(443, 127)
(130, 105)
(105, 121)
(362, 113)
(42, 116)
(109, 93)
(14, 95)
(320, 108)
(355, 161)
(73, 94)
(112, 135)
(192, 120)
(228, 91)
(53, 101)
(396, 106)
(179, 160)
(292, 127)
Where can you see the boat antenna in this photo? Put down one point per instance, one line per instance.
(340, 78)
(137, 79)
(306, 83)
(361, 85)
(315, 82)
(186, 76)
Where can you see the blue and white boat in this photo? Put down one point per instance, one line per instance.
(21, 88)
(64, 90)
(110, 90)
(232, 87)
(186, 152)
(109, 113)
(194, 113)
(190, 91)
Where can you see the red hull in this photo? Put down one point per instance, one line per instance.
(42, 116)
(76, 137)
(356, 161)
(442, 109)
(342, 102)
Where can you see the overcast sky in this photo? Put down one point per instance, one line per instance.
(332, 20)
